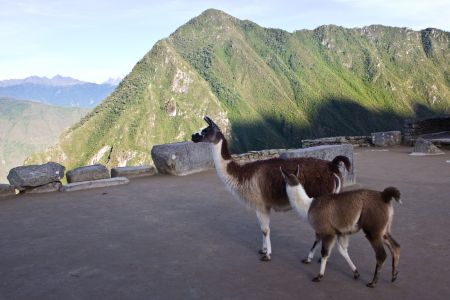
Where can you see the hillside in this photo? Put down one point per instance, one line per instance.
(27, 127)
(268, 87)
(59, 90)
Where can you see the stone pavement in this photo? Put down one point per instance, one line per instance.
(167, 237)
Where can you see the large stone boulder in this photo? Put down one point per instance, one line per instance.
(423, 146)
(327, 152)
(6, 190)
(386, 139)
(88, 173)
(133, 172)
(35, 175)
(182, 158)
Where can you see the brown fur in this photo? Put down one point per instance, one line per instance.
(343, 214)
(316, 176)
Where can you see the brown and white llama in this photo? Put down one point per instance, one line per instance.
(340, 215)
(260, 185)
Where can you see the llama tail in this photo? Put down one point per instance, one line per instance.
(340, 158)
(389, 193)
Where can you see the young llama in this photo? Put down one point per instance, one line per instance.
(340, 215)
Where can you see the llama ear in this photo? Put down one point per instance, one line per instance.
(211, 122)
(283, 174)
(297, 171)
(207, 120)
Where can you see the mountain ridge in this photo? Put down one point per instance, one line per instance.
(58, 90)
(266, 87)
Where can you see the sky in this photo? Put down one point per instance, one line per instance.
(93, 40)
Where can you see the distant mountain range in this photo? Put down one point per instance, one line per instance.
(27, 127)
(59, 90)
(268, 88)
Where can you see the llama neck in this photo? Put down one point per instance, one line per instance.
(299, 199)
(221, 157)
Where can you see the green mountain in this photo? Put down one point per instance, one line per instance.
(27, 127)
(269, 88)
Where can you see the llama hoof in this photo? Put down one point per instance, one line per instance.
(318, 278)
(262, 251)
(356, 274)
(371, 284)
(265, 258)
(394, 276)
(306, 261)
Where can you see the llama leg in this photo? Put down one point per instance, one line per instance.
(394, 247)
(343, 249)
(264, 223)
(327, 246)
(312, 251)
(380, 253)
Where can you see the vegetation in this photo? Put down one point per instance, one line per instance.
(271, 87)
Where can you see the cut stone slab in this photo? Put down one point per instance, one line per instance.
(182, 158)
(327, 152)
(35, 175)
(133, 172)
(92, 184)
(6, 190)
(46, 188)
(87, 173)
(386, 139)
(425, 147)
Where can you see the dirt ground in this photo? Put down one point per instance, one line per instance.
(166, 237)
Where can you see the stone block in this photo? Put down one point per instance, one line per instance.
(92, 184)
(133, 172)
(35, 175)
(46, 188)
(327, 152)
(7, 190)
(182, 158)
(386, 139)
(87, 173)
(423, 146)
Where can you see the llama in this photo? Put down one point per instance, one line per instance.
(340, 215)
(260, 185)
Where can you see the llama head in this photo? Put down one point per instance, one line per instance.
(292, 179)
(210, 134)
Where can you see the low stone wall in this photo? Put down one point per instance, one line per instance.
(327, 152)
(358, 141)
(258, 155)
(415, 128)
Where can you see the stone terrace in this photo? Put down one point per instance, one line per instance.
(167, 237)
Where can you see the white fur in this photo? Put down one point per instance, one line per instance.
(245, 193)
(338, 187)
(299, 200)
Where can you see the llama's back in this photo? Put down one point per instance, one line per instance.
(316, 177)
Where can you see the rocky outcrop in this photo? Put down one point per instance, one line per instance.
(387, 138)
(26, 177)
(87, 173)
(326, 152)
(133, 172)
(182, 158)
